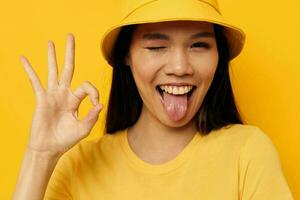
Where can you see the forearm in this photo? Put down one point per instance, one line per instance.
(34, 175)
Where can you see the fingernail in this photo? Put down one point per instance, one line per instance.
(21, 57)
(50, 42)
(70, 34)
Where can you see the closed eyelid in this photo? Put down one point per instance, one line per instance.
(164, 45)
(207, 40)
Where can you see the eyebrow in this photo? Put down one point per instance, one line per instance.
(161, 36)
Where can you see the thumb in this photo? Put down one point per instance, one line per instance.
(87, 123)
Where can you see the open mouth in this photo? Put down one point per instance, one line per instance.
(189, 94)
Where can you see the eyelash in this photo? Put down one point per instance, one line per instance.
(203, 44)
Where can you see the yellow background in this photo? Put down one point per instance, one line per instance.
(265, 77)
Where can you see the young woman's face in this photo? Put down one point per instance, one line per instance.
(167, 59)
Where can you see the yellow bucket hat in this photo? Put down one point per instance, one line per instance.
(149, 11)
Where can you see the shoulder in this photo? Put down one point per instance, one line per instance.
(253, 144)
(245, 140)
(260, 168)
(244, 130)
(238, 134)
(260, 149)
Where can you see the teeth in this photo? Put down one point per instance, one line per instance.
(176, 89)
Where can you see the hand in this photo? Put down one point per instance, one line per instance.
(55, 126)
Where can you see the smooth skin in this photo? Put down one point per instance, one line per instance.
(55, 125)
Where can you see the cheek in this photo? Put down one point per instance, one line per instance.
(143, 70)
(206, 67)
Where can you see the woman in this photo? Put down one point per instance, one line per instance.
(173, 129)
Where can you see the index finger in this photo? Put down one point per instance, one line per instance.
(35, 81)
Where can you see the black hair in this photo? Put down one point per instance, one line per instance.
(218, 108)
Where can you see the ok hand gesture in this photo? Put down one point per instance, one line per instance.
(55, 126)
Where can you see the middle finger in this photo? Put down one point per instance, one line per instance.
(68, 70)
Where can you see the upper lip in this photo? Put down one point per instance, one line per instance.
(176, 84)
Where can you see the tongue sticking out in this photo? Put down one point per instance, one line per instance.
(175, 105)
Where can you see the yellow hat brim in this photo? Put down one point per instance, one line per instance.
(193, 10)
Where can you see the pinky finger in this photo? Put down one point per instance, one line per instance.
(35, 81)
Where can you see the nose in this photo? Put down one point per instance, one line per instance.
(179, 63)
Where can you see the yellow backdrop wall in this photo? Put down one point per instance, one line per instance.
(265, 77)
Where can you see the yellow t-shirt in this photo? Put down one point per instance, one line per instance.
(236, 162)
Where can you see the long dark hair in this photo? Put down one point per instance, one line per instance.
(218, 108)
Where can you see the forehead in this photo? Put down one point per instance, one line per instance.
(171, 26)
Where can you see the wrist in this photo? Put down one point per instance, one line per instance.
(43, 155)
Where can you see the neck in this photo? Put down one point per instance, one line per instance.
(148, 131)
